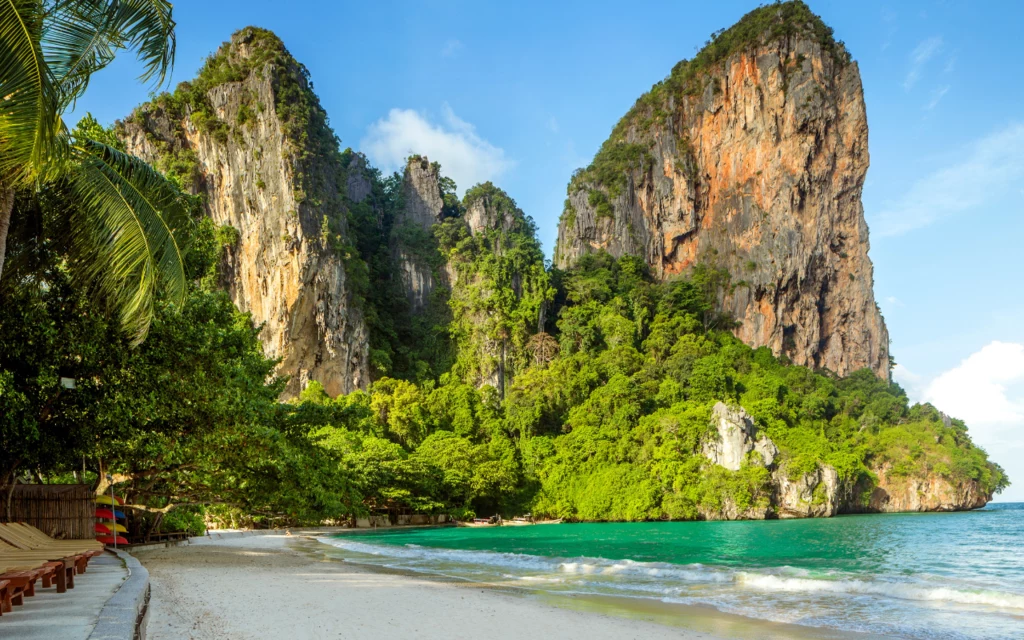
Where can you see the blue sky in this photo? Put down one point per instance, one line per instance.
(523, 93)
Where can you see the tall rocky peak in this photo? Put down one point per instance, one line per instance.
(250, 135)
(413, 246)
(499, 286)
(749, 158)
(421, 195)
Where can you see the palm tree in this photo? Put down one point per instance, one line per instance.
(126, 230)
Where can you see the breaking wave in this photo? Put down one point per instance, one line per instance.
(662, 580)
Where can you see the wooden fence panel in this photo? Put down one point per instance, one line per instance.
(65, 511)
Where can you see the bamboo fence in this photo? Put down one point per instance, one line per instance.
(65, 511)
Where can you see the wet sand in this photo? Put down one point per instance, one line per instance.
(295, 587)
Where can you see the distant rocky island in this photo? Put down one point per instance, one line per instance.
(705, 345)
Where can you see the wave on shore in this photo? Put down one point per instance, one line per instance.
(870, 603)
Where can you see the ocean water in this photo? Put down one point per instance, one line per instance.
(931, 575)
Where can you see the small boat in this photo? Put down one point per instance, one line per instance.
(559, 521)
(481, 522)
(518, 522)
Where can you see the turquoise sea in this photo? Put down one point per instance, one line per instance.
(930, 575)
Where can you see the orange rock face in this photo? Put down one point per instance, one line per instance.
(285, 204)
(758, 172)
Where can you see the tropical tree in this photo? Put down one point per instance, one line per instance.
(126, 236)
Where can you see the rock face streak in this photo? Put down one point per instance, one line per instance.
(282, 269)
(760, 173)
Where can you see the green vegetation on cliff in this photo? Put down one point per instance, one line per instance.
(583, 394)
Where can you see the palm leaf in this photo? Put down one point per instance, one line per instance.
(148, 26)
(126, 232)
(82, 37)
(30, 125)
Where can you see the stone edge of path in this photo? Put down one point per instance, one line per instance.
(123, 617)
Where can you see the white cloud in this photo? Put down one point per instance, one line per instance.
(464, 155)
(924, 52)
(912, 383)
(992, 168)
(986, 391)
(552, 124)
(982, 389)
(937, 96)
(450, 48)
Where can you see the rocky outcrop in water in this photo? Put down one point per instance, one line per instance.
(815, 494)
(750, 158)
(250, 136)
(892, 493)
(736, 441)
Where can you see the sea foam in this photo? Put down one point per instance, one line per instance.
(659, 577)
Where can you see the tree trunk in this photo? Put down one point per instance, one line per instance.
(6, 209)
(10, 492)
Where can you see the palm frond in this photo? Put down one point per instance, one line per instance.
(30, 125)
(127, 232)
(83, 36)
(79, 38)
(148, 26)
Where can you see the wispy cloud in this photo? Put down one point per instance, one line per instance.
(451, 48)
(889, 18)
(924, 52)
(464, 155)
(552, 124)
(993, 168)
(936, 98)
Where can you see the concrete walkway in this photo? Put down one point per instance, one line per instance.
(71, 615)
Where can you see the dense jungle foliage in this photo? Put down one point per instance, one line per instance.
(609, 379)
(583, 394)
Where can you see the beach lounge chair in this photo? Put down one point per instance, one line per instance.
(80, 550)
(64, 565)
(59, 571)
(32, 533)
(19, 585)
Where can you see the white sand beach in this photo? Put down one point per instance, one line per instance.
(277, 586)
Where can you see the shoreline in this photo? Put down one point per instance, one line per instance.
(262, 585)
(707, 621)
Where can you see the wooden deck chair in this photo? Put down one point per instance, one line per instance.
(5, 596)
(19, 585)
(31, 534)
(63, 566)
(15, 538)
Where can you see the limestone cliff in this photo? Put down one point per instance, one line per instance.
(250, 136)
(499, 286)
(736, 442)
(750, 158)
(412, 236)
